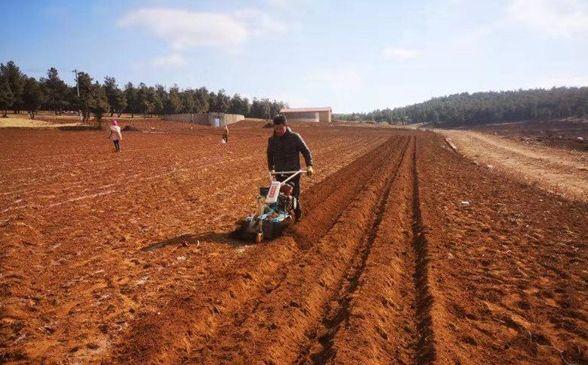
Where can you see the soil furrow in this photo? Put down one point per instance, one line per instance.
(194, 319)
(465, 266)
(317, 208)
(425, 353)
(387, 319)
(337, 316)
(277, 329)
(381, 324)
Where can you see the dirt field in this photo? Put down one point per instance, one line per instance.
(560, 171)
(30, 123)
(569, 133)
(407, 253)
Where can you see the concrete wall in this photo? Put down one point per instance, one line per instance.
(325, 116)
(302, 116)
(207, 118)
(318, 116)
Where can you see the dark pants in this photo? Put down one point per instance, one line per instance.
(116, 145)
(296, 193)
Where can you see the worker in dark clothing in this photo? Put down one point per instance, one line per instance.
(283, 154)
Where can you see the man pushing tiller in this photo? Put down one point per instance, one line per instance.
(278, 204)
(283, 154)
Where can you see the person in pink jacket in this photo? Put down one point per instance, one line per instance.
(115, 135)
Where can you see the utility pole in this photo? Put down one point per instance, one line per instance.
(78, 89)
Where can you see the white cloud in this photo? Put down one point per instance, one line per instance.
(338, 78)
(171, 60)
(554, 17)
(259, 23)
(183, 29)
(399, 54)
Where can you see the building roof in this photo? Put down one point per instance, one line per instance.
(302, 110)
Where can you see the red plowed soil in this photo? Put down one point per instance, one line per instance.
(407, 253)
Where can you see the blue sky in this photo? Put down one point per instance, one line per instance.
(351, 55)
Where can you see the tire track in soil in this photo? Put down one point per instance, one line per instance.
(275, 324)
(187, 319)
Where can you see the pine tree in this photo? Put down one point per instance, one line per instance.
(56, 91)
(16, 80)
(174, 102)
(32, 97)
(6, 96)
(132, 101)
(98, 103)
(116, 98)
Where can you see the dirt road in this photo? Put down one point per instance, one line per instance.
(407, 253)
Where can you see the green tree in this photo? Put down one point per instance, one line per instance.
(261, 109)
(132, 99)
(145, 99)
(32, 96)
(84, 101)
(98, 103)
(142, 102)
(189, 101)
(275, 107)
(488, 107)
(16, 80)
(116, 98)
(6, 96)
(173, 103)
(71, 101)
(56, 92)
(239, 105)
(202, 100)
(220, 102)
(119, 102)
(245, 107)
(159, 98)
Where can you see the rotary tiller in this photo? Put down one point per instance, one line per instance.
(275, 212)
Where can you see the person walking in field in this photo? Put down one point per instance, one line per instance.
(226, 134)
(283, 154)
(115, 135)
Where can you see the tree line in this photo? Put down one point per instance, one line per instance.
(486, 107)
(18, 92)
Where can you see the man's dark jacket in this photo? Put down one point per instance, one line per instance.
(283, 152)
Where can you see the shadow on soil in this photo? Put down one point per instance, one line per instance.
(224, 238)
(79, 128)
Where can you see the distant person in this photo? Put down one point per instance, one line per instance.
(226, 134)
(283, 154)
(115, 135)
